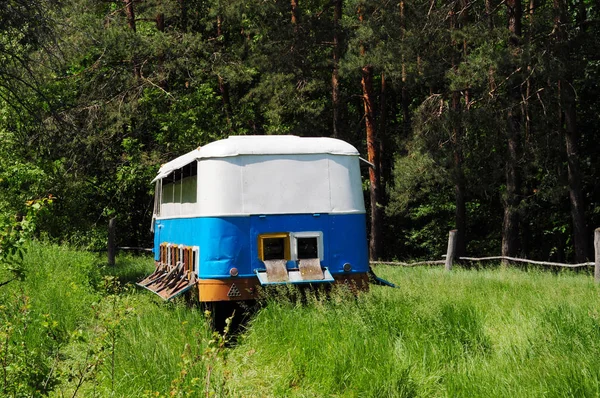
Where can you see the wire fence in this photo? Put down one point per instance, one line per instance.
(450, 258)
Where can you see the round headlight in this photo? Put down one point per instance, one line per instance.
(233, 272)
(347, 267)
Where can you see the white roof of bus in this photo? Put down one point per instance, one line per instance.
(260, 145)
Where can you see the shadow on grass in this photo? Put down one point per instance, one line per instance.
(241, 313)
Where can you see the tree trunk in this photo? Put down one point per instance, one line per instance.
(295, 13)
(372, 152)
(459, 178)
(575, 190)
(514, 13)
(335, 75)
(457, 133)
(404, 90)
(383, 160)
(130, 14)
(510, 225)
(568, 114)
(160, 22)
(525, 245)
(490, 20)
(526, 111)
(373, 155)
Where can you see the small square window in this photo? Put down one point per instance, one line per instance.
(274, 246)
(307, 245)
(274, 249)
(308, 248)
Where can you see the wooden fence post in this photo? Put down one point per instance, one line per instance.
(112, 247)
(451, 249)
(597, 257)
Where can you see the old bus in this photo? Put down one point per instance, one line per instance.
(248, 211)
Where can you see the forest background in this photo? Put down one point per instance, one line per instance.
(477, 115)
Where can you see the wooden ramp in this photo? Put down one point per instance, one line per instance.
(169, 281)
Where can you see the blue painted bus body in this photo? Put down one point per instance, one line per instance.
(227, 242)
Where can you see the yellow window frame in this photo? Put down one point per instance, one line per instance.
(277, 235)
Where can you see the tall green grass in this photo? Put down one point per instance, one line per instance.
(78, 328)
(74, 327)
(467, 333)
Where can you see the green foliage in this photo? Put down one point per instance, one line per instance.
(92, 103)
(14, 233)
(26, 358)
(420, 193)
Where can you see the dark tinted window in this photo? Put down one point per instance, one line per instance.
(274, 249)
(308, 248)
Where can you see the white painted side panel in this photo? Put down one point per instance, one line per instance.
(170, 210)
(286, 184)
(220, 186)
(279, 184)
(345, 183)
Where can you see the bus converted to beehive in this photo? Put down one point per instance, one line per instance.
(258, 210)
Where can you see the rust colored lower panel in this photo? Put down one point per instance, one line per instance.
(228, 289)
(238, 289)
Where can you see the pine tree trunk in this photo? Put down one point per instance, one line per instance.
(528, 125)
(295, 13)
(514, 13)
(373, 155)
(372, 152)
(404, 90)
(460, 218)
(381, 133)
(510, 225)
(568, 112)
(580, 240)
(130, 14)
(335, 75)
(459, 178)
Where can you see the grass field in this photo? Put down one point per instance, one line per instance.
(75, 328)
